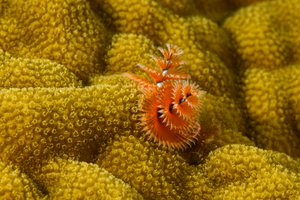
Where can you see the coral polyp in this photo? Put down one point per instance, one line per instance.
(171, 103)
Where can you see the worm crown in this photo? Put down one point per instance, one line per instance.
(171, 103)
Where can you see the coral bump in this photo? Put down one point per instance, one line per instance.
(171, 103)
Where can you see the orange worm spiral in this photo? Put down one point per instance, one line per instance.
(171, 103)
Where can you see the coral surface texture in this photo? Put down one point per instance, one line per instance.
(70, 123)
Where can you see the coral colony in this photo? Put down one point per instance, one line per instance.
(171, 103)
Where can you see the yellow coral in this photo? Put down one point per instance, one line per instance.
(137, 49)
(79, 180)
(15, 184)
(136, 162)
(217, 10)
(75, 122)
(266, 174)
(20, 72)
(267, 45)
(161, 26)
(63, 31)
(55, 101)
(242, 172)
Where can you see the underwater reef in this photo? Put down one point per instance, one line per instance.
(70, 125)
